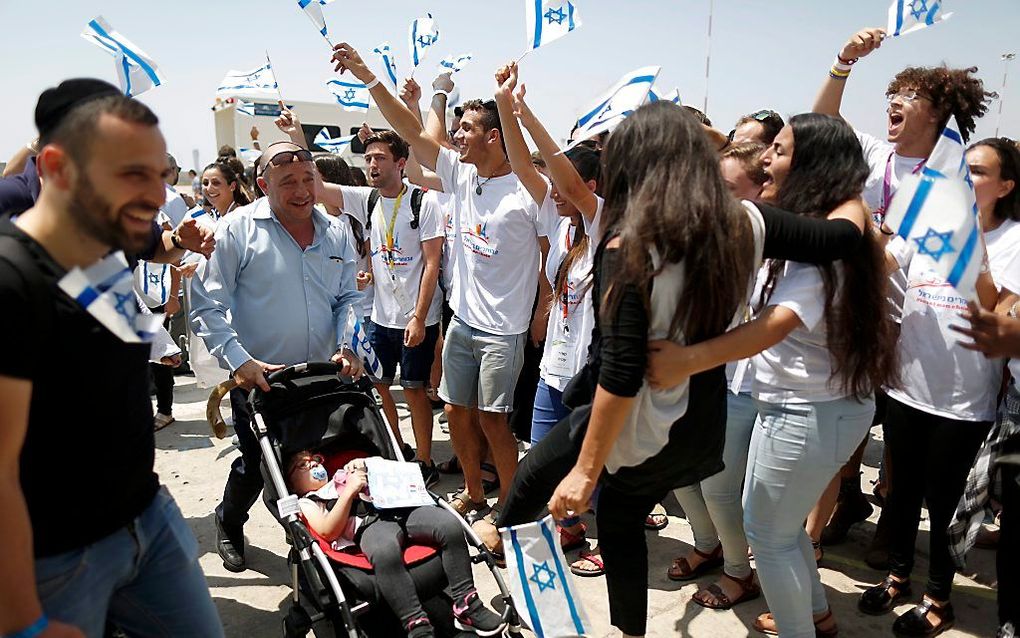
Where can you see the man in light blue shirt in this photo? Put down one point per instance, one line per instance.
(285, 272)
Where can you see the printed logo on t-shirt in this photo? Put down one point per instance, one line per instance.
(934, 291)
(395, 256)
(478, 241)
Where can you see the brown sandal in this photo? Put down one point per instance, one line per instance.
(681, 569)
(766, 624)
(713, 597)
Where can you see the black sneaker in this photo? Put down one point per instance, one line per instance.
(429, 472)
(230, 547)
(471, 615)
(408, 452)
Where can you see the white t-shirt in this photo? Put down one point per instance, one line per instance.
(798, 369)
(882, 158)
(368, 294)
(444, 204)
(495, 262)
(568, 334)
(936, 374)
(397, 275)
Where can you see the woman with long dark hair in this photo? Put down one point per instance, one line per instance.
(824, 339)
(222, 188)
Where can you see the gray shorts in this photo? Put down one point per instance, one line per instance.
(480, 368)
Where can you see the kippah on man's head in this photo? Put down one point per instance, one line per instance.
(55, 103)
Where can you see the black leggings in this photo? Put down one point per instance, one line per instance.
(383, 542)
(1009, 547)
(930, 456)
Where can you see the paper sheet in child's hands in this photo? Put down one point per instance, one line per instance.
(396, 484)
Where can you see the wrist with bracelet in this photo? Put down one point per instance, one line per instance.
(371, 85)
(841, 67)
(442, 92)
(32, 630)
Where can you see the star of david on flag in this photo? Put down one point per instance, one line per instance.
(542, 589)
(313, 9)
(357, 338)
(136, 71)
(106, 290)
(606, 112)
(907, 16)
(454, 63)
(936, 212)
(384, 52)
(257, 82)
(422, 36)
(338, 145)
(549, 20)
(351, 96)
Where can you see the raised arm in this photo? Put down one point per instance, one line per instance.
(410, 95)
(830, 96)
(403, 121)
(516, 148)
(566, 178)
(435, 122)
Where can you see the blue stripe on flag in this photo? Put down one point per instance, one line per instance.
(578, 625)
(414, 42)
(145, 277)
(964, 259)
(953, 135)
(149, 71)
(162, 285)
(588, 116)
(538, 24)
(304, 3)
(389, 69)
(899, 17)
(86, 297)
(570, 16)
(930, 18)
(536, 623)
(916, 204)
(127, 74)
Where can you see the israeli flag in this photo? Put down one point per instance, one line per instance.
(245, 108)
(106, 291)
(257, 82)
(423, 35)
(454, 63)
(549, 20)
(152, 283)
(606, 113)
(313, 9)
(352, 96)
(338, 145)
(136, 72)
(936, 213)
(384, 52)
(656, 95)
(356, 336)
(907, 16)
(542, 589)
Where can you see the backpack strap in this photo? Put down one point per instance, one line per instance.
(417, 195)
(373, 199)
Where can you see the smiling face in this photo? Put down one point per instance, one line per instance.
(776, 161)
(290, 189)
(912, 120)
(117, 192)
(986, 171)
(217, 189)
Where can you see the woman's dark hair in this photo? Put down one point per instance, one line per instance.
(334, 170)
(1007, 207)
(826, 171)
(588, 164)
(664, 191)
(358, 176)
(241, 197)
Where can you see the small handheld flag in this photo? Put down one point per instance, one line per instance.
(338, 145)
(352, 96)
(549, 20)
(423, 35)
(907, 16)
(655, 95)
(542, 589)
(454, 63)
(257, 82)
(136, 72)
(313, 9)
(360, 344)
(936, 212)
(245, 108)
(106, 290)
(384, 52)
(606, 113)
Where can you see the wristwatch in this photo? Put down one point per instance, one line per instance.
(175, 239)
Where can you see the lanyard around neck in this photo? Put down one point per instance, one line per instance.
(390, 227)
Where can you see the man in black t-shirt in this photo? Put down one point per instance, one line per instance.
(89, 535)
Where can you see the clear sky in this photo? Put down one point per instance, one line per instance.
(765, 53)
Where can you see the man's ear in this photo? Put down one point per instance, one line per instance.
(55, 166)
(263, 184)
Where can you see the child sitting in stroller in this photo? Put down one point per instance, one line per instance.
(333, 509)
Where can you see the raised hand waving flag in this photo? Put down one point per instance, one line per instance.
(936, 212)
(313, 9)
(338, 145)
(384, 52)
(257, 82)
(352, 96)
(454, 63)
(549, 20)
(423, 35)
(136, 72)
(907, 16)
(606, 113)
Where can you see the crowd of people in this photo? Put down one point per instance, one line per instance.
(665, 308)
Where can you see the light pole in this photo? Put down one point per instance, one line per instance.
(1006, 59)
(708, 55)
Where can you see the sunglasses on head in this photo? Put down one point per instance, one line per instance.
(764, 114)
(287, 157)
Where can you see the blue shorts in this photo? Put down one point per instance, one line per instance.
(415, 363)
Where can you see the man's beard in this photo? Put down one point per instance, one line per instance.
(94, 214)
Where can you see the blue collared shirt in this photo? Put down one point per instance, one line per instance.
(286, 305)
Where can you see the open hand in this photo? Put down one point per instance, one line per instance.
(993, 334)
(347, 58)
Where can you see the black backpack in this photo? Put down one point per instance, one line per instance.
(416, 196)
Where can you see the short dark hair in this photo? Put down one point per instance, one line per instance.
(226, 151)
(698, 115)
(78, 129)
(358, 176)
(490, 116)
(398, 147)
(771, 123)
(334, 170)
(458, 111)
(951, 91)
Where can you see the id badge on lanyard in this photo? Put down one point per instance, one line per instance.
(397, 286)
(564, 345)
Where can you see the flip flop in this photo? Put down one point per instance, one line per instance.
(594, 559)
(657, 518)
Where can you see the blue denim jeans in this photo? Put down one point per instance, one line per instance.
(795, 451)
(713, 507)
(144, 577)
(548, 411)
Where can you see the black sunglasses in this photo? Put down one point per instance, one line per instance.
(287, 157)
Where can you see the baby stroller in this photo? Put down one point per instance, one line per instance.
(310, 407)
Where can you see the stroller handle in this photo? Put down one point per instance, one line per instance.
(312, 369)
